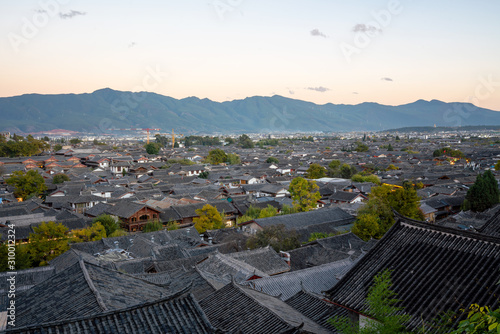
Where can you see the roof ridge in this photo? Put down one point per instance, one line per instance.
(92, 286)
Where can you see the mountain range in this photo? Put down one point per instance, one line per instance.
(106, 109)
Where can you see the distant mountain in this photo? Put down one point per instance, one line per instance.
(110, 109)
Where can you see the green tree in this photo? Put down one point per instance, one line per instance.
(366, 226)
(57, 147)
(347, 171)
(208, 219)
(118, 233)
(27, 184)
(276, 236)
(216, 156)
(22, 257)
(361, 147)
(233, 159)
(172, 225)
(315, 171)
(305, 194)
(60, 178)
(272, 160)
(381, 202)
(91, 233)
(389, 148)
(269, 211)
(366, 178)
(497, 165)
(152, 148)
(381, 305)
(152, 226)
(74, 141)
(230, 140)
(245, 141)
(204, 175)
(48, 241)
(110, 224)
(484, 193)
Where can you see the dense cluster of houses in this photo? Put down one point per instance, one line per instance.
(181, 281)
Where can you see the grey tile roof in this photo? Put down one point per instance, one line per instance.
(316, 309)
(316, 279)
(82, 289)
(300, 220)
(264, 259)
(173, 314)
(434, 269)
(226, 267)
(262, 313)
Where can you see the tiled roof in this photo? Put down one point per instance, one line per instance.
(83, 289)
(434, 269)
(316, 279)
(264, 259)
(174, 314)
(316, 309)
(235, 308)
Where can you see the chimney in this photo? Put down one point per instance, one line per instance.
(285, 256)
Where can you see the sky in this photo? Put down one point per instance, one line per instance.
(324, 51)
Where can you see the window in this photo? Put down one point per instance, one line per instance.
(144, 217)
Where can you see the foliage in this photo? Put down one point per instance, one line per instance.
(204, 175)
(21, 147)
(268, 142)
(152, 148)
(484, 193)
(152, 226)
(390, 148)
(110, 224)
(287, 210)
(251, 214)
(75, 141)
(347, 171)
(27, 184)
(22, 257)
(366, 178)
(392, 167)
(172, 225)
(118, 233)
(48, 241)
(60, 178)
(57, 147)
(269, 211)
(320, 235)
(92, 233)
(272, 160)
(245, 142)
(233, 159)
(366, 226)
(382, 306)
(275, 236)
(208, 219)
(304, 194)
(216, 156)
(170, 162)
(376, 217)
(497, 165)
(448, 152)
(361, 147)
(315, 171)
(480, 319)
(204, 141)
(229, 141)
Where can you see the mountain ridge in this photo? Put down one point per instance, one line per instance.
(105, 109)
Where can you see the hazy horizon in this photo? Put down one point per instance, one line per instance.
(386, 52)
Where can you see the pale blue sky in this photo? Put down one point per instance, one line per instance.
(391, 52)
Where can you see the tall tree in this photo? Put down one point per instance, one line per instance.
(110, 224)
(305, 194)
(315, 171)
(245, 141)
(48, 241)
(484, 193)
(208, 219)
(27, 184)
(216, 156)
